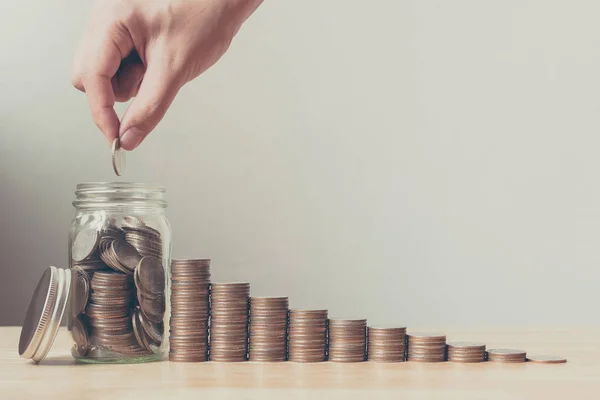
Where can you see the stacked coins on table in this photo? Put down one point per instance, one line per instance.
(229, 322)
(424, 347)
(386, 344)
(108, 313)
(268, 329)
(347, 340)
(506, 355)
(466, 352)
(189, 310)
(307, 335)
(546, 359)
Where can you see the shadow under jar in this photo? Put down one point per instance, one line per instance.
(119, 256)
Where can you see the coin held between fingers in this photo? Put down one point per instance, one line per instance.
(118, 157)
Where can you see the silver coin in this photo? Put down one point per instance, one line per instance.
(118, 157)
(126, 254)
(85, 244)
(153, 308)
(80, 291)
(150, 276)
(138, 331)
(80, 335)
(154, 331)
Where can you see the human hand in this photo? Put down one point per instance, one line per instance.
(148, 49)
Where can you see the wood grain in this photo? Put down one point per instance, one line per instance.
(60, 378)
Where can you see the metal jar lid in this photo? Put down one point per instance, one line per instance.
(45, 314)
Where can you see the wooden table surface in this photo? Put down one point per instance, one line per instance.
(60, 378)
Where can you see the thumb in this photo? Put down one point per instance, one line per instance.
(157, 91)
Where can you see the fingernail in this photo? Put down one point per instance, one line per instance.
(131, 138)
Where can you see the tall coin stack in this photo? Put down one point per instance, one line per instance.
(189, 310)
(386, 344)
(229, 322)
(268, 328)
(425, 347)
(307, 335)
(466, 352)
(108, 313)
(347, 340)
(506, 355)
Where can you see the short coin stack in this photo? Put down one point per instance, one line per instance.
(466, 352)
(426, 347)
(268, 329)
(229, 322)
(506, 355)
(307, 335)
(386, 344)
(347, 340)
(546, 359)
(109, 316)
(189, 310)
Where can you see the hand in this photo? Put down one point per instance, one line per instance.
(148, 49)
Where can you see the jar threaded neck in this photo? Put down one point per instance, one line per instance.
(108, 194)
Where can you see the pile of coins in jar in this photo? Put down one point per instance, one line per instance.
(118, 293)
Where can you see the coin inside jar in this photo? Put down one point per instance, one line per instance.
(153, 308)
(80, 337)
(154, 331)
(150, 276)
(80, 291)
(139, 332)
(126, 254)
(85, 244)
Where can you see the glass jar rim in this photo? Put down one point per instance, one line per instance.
(91, 194)
(90, 187)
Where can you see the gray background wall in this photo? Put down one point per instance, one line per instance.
(430, 163)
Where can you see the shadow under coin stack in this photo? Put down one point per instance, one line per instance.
(228, 334)
(307, 336)
(347, 340)
(507, 356)
(109, 315)
(268, 329)
(189, 310)
(386, 344)
(466, 352)
(423, 347)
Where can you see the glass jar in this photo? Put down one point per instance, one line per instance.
(119, 256)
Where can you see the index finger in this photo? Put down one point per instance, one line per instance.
(113, 46)
(101, 100)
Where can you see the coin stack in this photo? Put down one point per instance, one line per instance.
(228, 334)
(307, 335)
(546, 359)
(268, 328)
(189, 310)
(386, 344)
(466, 352)
(425, 347)
(347, 340)
(506, 355)
(108, 313)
